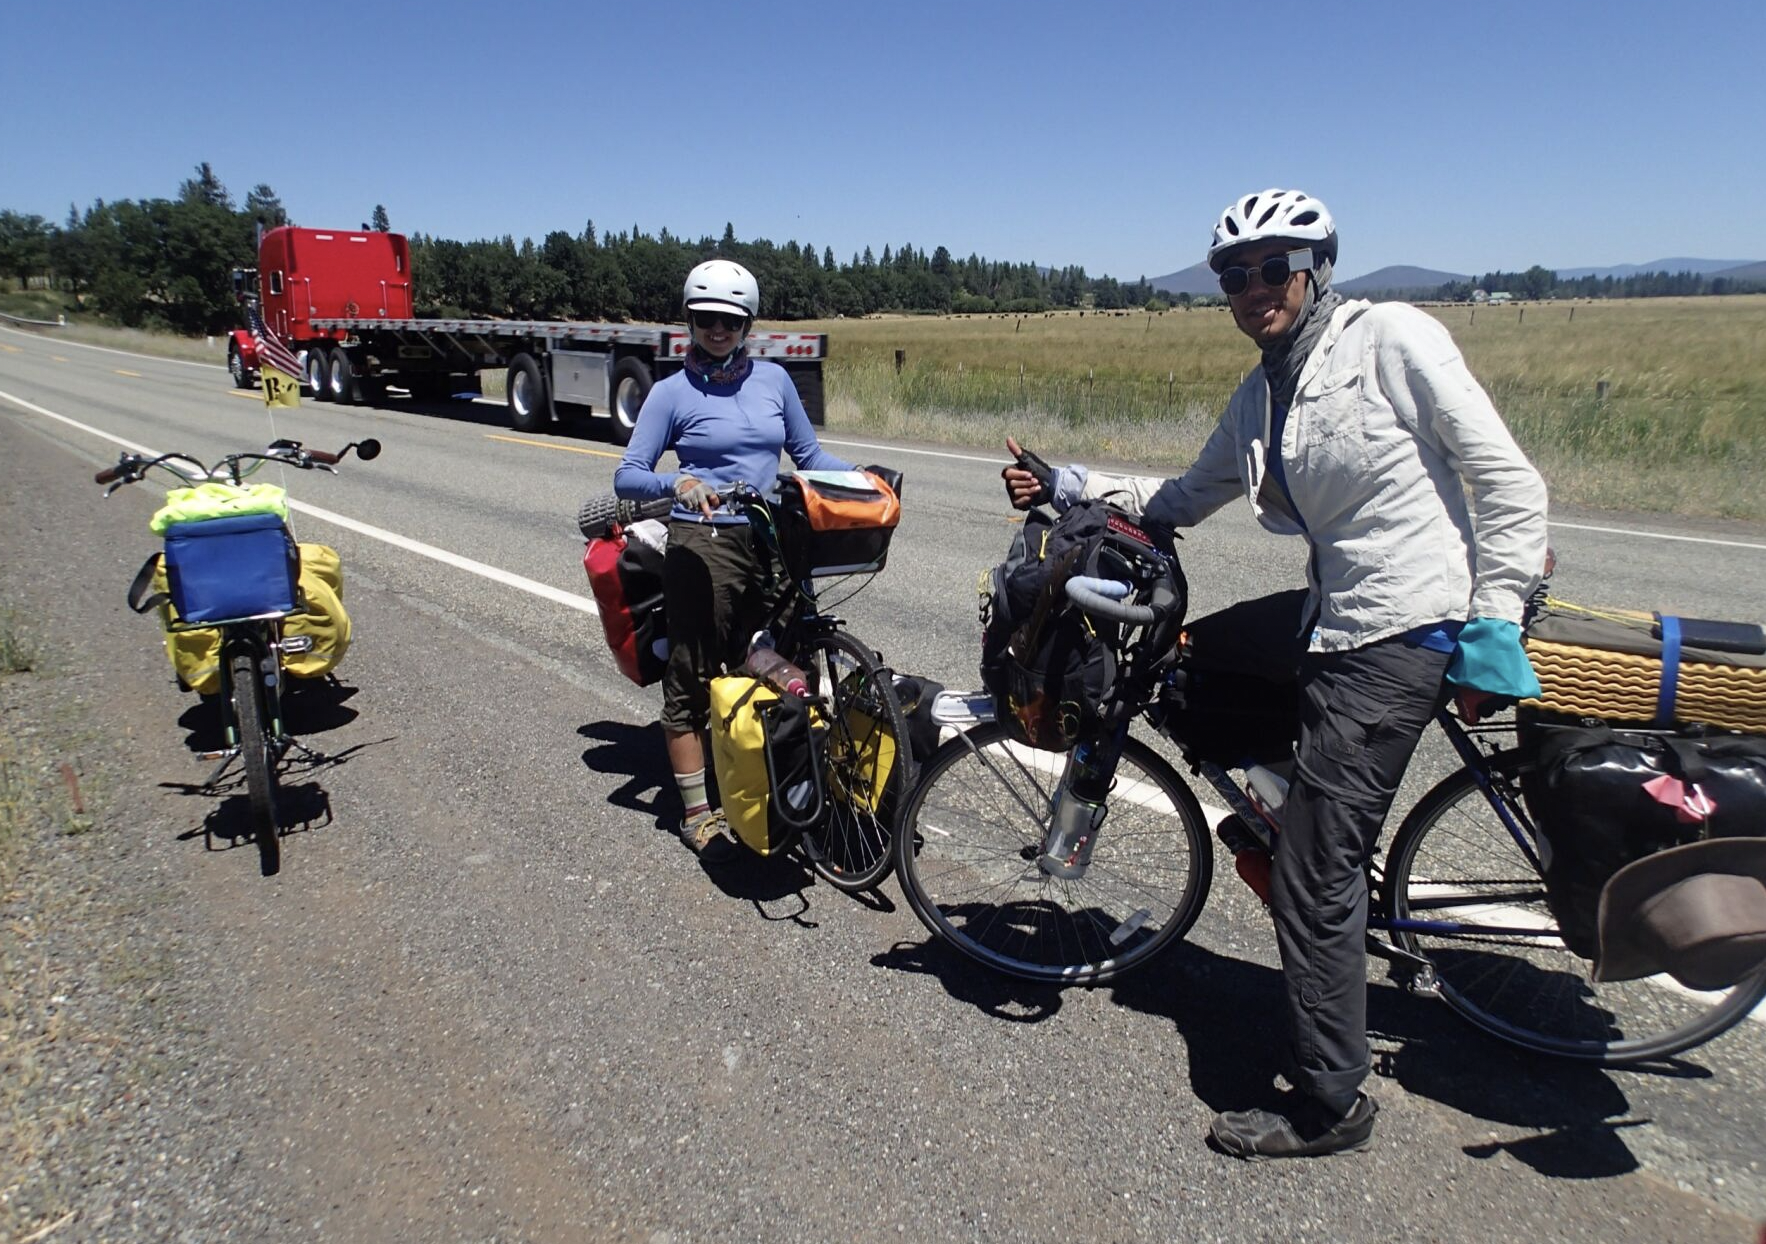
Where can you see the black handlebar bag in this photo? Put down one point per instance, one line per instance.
(1050, 668)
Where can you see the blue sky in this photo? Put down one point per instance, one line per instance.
(1464, 136)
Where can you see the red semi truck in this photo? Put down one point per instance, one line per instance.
(342, 301)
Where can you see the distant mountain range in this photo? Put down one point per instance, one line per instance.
(1198, 279)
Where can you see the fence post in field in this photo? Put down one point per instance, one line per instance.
(1600, 390)
(901, 358)
(1090, 375)
(1023, 393)
(1170, 377)
(1572, 315)
(1474, 318)
(1522, 318)
(1019, 324)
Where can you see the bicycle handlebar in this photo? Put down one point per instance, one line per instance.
(1094, 596)
(601, 514)
(130, 468)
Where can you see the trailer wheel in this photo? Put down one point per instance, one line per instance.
(242, 377)
(318, 377)
(631, 385)
(341, 376)
(530, 406)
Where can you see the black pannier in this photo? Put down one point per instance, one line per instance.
(1602, 798)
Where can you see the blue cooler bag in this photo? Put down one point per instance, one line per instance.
(238, 567)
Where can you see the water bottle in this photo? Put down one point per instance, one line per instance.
(1077, 813)
(774, 670)
(1268, 790)
(1252, 857)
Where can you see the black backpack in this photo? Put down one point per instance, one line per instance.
(1050, 669)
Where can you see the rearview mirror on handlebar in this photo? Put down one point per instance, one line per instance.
(367, 450)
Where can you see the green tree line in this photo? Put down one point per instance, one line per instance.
(168, 263)
(1539, 283)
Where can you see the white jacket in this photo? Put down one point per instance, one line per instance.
(1387, 432)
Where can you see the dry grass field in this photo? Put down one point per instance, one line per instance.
(1681, 427)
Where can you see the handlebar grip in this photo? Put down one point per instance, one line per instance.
(108, 475)
(322, 457)
(1089, 595)
(601, 514)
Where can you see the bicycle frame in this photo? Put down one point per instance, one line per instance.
(1476, 761)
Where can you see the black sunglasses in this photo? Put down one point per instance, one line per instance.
(1274, 271)
(712, 319)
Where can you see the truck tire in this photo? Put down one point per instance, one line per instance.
(318, 373)
(340, 376)
(631, 385)
(530, 403)
(242, 377)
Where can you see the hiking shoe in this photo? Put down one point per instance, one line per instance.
(705, 834)
(1302, 1128)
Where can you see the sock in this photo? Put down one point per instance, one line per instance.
(693, 791)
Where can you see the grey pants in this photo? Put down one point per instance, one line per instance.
(1361, 714)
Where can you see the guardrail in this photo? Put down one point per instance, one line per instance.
(59, 321)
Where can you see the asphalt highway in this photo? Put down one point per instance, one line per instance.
(504, 1003)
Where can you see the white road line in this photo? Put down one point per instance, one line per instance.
(1659, 535)
(999, 460)
(544, 591)
(134, 354)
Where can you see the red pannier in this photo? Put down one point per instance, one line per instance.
(625, 573)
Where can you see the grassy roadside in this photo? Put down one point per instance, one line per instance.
(78, 1010)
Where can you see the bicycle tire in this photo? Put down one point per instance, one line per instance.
(853, 847)
(1532, 992)
(966, 856)
(256, 758)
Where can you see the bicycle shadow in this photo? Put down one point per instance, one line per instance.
(1576, 1113)
(992, 993)
(310, 706)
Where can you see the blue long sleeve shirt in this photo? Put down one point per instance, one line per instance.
(720, 434)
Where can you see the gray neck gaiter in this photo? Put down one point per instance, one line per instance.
(1286, 359)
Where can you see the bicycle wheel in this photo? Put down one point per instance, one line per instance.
(869, 767)
(256, 756)
(967, 856)
(1453, 861)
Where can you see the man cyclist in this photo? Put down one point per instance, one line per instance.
(1363, 432)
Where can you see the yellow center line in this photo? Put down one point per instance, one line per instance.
(10, 349)
(58, 358)
(121, 372)
(569, 449)
(250, 397)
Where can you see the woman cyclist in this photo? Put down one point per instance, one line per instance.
(726, 416)
(1362, 432)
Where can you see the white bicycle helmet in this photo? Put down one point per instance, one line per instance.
(1285, 215)
(720, 285)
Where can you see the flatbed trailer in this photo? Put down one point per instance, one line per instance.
(343, 302)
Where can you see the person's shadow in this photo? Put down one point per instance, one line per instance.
(636, 755)
(1232, 1018)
